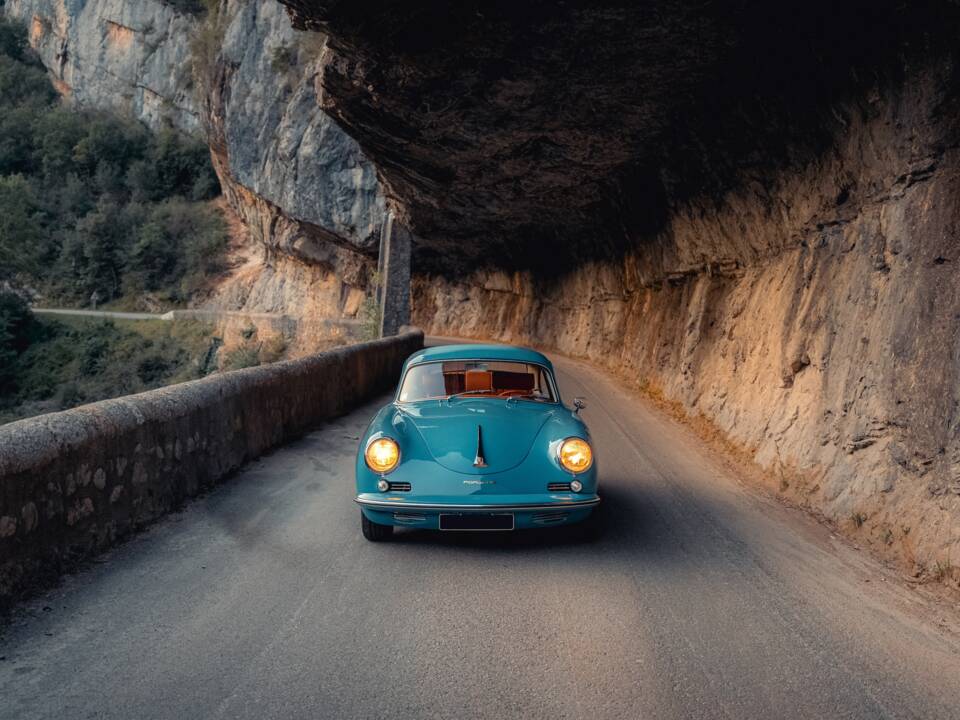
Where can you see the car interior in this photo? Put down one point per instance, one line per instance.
(477, 379)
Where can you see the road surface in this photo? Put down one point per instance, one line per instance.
(192, 314)
(106, 314)
(700, 599)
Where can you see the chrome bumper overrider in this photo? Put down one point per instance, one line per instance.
(393, 505)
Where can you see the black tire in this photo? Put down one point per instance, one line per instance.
(374, 532)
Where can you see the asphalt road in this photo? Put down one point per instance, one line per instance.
(700, 599)
(106, 314)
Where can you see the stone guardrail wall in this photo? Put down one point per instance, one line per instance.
(73, 482)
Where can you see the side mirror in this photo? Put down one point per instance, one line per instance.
(578, 405)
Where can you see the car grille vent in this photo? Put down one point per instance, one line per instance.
(545, 518)
(558, 487)
(409, 517)
(400, 486)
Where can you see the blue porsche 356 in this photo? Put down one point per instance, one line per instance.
(476, 438)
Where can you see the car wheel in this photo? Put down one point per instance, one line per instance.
(374, 532)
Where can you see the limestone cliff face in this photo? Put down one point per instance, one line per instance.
(129, 56)
(306, 194)
(812, 315)
(749, 209)
(275, 141)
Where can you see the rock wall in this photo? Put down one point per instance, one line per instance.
(298, 182)
(302, 188)
(278, 144)
(128, 56)
(748, 209)
(811, 314)
(73, 483)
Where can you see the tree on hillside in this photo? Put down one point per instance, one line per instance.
(13, 39)
(20, 232)
(94, 202)
(15, 327)
(20, 83)
(103, 234)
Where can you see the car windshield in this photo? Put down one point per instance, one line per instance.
(477, 378)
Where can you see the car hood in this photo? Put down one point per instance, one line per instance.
(449, 431)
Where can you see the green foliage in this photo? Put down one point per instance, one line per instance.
(173, 166)
(273, 349)
(13, 39)
(241, 357)
(206, 42)
(253, 352)
(23, 83)
(17, 328)
(63, 363)
(193, 7)
(95, 203)
(177, 246)
(21, 234)
(282, 58)
(371, 312)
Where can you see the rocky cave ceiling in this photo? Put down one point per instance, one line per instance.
(537, 133)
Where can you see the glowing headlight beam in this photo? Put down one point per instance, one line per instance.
(382, 455)
(576, 455)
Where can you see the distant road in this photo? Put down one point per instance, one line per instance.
(701, 598)
(196, 314)
(104, 314)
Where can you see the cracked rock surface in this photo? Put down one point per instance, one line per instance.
(747, 208)
(127, 56)
(303, 189)
(301, 186)
(751, 210)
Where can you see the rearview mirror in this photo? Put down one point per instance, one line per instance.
(578, 404)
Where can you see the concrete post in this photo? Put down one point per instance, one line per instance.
(394, 266)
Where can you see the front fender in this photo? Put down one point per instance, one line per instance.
(389, 422)
(429, 479)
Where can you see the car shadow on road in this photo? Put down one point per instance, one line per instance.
(627, 518)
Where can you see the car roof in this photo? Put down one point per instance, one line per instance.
(478, 352)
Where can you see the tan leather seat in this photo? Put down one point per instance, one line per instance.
(478, 380)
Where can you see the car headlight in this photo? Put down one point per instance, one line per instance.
(382, 455)
(576, 455)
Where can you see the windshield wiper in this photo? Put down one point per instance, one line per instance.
(533, 397)
(469, 392)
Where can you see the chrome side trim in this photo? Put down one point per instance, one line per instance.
(574, 505)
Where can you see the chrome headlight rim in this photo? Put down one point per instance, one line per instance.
(366, 460)
(560, 455)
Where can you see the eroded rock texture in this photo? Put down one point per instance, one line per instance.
(278, 143)
(750, 208)
(128, 56)
(306, 194)
(301, 185)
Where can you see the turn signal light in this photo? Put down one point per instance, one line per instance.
(576, 455)
(382, 455)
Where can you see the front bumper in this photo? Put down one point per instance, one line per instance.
(528, 511)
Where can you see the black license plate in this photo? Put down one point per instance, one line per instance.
(498, 521)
